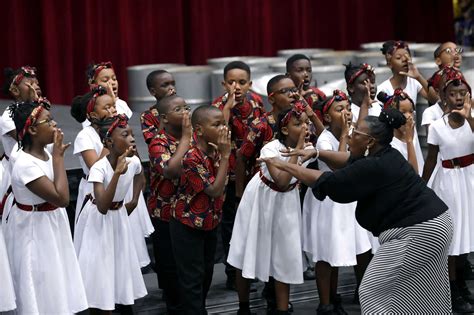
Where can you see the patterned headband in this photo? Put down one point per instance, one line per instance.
(398, 95)
(398, 45)
(98, 91)
(435, 79)
(25, 71)
(452, 75)
(30, 121)
(98, 68)
(295, 111)
(364, 68)
(337, 96)
(120, 121)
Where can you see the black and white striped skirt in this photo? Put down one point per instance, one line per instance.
(409, 272)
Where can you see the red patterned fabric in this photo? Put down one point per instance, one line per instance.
(242, 118)
(315, 96)
(150, 123)
(162, 190)
(193, 206)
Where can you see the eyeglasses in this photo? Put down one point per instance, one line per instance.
(47, 120)
(451, 51)
(353, 130)
(180, 109)
(285, 91)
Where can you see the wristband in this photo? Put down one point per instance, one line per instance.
(317, 153)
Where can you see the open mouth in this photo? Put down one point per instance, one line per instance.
(459, 106)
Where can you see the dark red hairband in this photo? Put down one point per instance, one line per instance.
(91, 103)
(98, 68)
(398, 45)
(120, 121)
(451, 75)
(364, 68)
(25, 71)
(337, 95)
(295, 111)
(30, 121)
(397, 95)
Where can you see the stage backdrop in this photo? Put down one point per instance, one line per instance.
(60, 37)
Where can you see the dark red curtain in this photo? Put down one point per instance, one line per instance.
(60, 37)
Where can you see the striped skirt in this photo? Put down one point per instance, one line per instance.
(409, 272)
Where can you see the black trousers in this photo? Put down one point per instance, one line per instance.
(228, 217)
(166, 266)
(194, 252)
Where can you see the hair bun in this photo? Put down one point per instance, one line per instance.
(383, 97)
(392, 118)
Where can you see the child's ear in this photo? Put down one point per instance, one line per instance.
(32, 130)
(438, 61)
(163, 118)
(109, 143)
(250, 84)
(271, 100)
(284, 130)
(15, 92)
(350, 88)
(152, 91)
(327, 117)
(198, 129)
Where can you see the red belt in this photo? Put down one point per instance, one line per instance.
(459, 162)
(274, 186)
(115, 205)
(45, 206)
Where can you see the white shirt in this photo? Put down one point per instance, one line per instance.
(87, 139)
(432, 113)
(412, 89)
(6, 125)
(102, 172)
(374, 110)
(452, 143)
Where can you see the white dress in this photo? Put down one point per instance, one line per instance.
(455, 186)
(107, 256)
(122, 108)
(7, 293)
(89, 139)
(374, 110)
(44, 266)
(266, 238)
(412, 89)
(432, 113)
(330, 230)
(6, 125)
(402, 148)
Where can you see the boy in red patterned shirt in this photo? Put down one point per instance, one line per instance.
(242, 108)
(198, 207)
(166, 150)
(298, 68)
(160, 83)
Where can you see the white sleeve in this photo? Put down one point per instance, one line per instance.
(427, 117)
(433, 137)
(97, 173)
(270, 150)
(83, 142)
(30, 172)
(136, 164)
(324, 144)
(122, 108)
(7, 123)
(418, 85)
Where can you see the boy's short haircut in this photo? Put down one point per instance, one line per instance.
(236, 65)
(273, 81)
(163, 105)
(200, 114)
(293, 59)
(150, 78)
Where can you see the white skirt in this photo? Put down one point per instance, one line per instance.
(331, 232)
(7, 293)
(456, 188)
(108, 260)
(44, 266)
(141, 227)
(80, 217)
(266, 238)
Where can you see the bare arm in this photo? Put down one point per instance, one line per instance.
(173, 169)
(137, 189)
(409, 135)
(430, 162)
(307, 176)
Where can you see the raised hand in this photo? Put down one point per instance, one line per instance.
(223, 142)
(32, 94)
(110, 91)
(301, 91)
(412, 70)
(466, 109)
(122, 163)
(231, 96)
(304, 154)
(187, 129)
(345, 124)
(409, 129)
(58, 146)
(302, 138)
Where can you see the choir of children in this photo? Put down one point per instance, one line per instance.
(234, 165)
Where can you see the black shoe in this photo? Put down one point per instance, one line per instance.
(461, 306)
(325, 309)
(245, 311)
(337, 302)
(290, 307)
(468, 270)
(309, 274)
(466, 293)
(230, 284)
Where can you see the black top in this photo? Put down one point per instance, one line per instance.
(388, 192)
